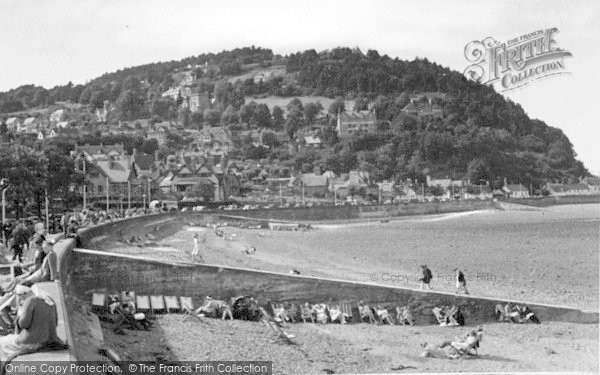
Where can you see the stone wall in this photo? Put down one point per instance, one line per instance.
(96, 271)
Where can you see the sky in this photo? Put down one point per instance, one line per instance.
(50, 43)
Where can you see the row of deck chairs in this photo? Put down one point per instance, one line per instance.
(143, 303)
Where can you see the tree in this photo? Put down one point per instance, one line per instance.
(85, 96)
(128, 105)
(269, 139)
(262, 116)
(197, 118)
(212, 117)
(247, 112)
(26, 170)
(338, 105)
(295, 105)
(311, 110)
(277, 114)
(97, 99)
(183, 117)
(149, 146)
(478, 171)
(230, 115)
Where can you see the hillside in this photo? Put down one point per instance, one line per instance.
(477, 134)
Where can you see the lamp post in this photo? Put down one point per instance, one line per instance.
(4, 187)
(121, 196)
(107, 194)
(129, 196)
(144, 206)
(335, 188)
(47, 213)
(84, 186)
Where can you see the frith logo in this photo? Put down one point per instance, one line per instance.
(515, 63)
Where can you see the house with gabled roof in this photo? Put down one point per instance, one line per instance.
(313, 184)
(423, 106)
(311, 141)
(13, 124)
(102, 152)
(115, 175)
(517, 191)
(593, 183)
(559, 190)
(57, 116)
(356, 123)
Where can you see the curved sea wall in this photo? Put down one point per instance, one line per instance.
(84, 271)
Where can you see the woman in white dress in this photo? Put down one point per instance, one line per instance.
(196, 250)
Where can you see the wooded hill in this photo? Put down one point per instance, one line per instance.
(480, 134)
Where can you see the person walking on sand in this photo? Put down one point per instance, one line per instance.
(426, 277)
(196, 250)
(461, 281)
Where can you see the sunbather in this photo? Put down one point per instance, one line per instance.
(384, 315)
(336, 315)
(320, 312)
(404, 316)
(306, 313)
(366, 312)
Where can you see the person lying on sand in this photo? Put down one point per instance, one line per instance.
(454, 349)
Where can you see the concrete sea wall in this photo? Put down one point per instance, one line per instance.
(83, 272)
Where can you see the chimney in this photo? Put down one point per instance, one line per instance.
(156, 155)
(505, 184)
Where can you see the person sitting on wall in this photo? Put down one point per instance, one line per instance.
(35, 325)
(48, 271)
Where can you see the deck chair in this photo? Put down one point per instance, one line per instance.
(347, 310)
(172, 304)
(99, 302)
(275, 327)
(142, 303)
(279, 311)
(187, 307)
(157, 304)
(9, 299)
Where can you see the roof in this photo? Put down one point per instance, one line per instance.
(68, 131)
(116, 170)
(514, 188)
(313, 180)
(564, 188)
(167, 181)
(29, 120)
(101, 149)
(312, 140)
(357, 116)
(12, 120)
(593, 181)
(193, 180)
(214, 134)
(445, 182)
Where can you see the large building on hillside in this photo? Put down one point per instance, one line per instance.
(356, 123)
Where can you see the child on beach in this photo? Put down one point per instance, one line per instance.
(196, 250)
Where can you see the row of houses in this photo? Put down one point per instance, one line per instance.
(109, 171)
(317, 184)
